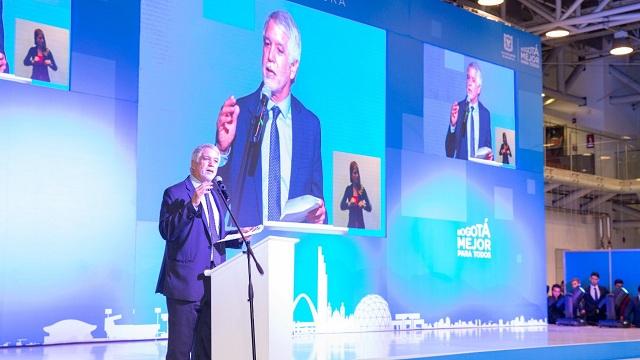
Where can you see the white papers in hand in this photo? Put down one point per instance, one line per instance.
(483, 152)
(296, 209)
(236, 235)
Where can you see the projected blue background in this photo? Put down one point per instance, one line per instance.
(82, 172)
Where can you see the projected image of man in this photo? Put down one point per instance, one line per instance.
(287, 156)
(469, 130)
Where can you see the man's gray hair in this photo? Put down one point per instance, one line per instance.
(474, 65)
(197, 152)
(285, 20)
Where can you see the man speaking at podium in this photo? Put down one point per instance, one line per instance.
(191, 221)
(469, 130)
(287, 157)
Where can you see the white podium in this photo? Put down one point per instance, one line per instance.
(273, 303)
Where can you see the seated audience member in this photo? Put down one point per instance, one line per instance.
(555, 304)
(617, 303)
(574, 303)
(635, 309)
(595, 300)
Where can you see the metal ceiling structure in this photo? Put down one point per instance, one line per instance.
(591, 25)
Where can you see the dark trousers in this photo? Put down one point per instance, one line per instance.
(202, 341)
(183, 316)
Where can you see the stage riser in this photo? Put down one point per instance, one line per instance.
(614, 350)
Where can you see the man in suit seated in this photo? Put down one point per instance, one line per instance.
(635, 309)
(574, 301)
(284, 162)
(555, 304)
(595, 300)
(617, 303)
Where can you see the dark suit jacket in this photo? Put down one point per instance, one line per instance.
(306, 160)
(591, 305)
(188, 243)
(456, 142)
(555, 308)
(635, 310)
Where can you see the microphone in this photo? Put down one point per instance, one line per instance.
(262, 114)
(222, 188)
(466, 116)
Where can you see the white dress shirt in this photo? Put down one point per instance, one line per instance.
(283, 122)
(475, 117)
(216, 214)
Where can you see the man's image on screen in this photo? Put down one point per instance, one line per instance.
(469, 130)
(288, 162)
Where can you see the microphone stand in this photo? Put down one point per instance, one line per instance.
(251, 151)
(250, 255)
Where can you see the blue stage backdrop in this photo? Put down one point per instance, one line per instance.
(448, 242)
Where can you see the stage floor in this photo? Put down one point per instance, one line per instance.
(552, 342)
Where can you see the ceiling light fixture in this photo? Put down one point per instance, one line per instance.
(621, 44)
(557, 33)
(490, 2)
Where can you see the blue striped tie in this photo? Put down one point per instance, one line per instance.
(273, 204)
(212, 223)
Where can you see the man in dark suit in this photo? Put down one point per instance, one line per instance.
(595, 299)
(287, 161)
(469, 127)
(191, 221)
(555, 304)
(618, 302)
(574, 301)
(635, 308)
